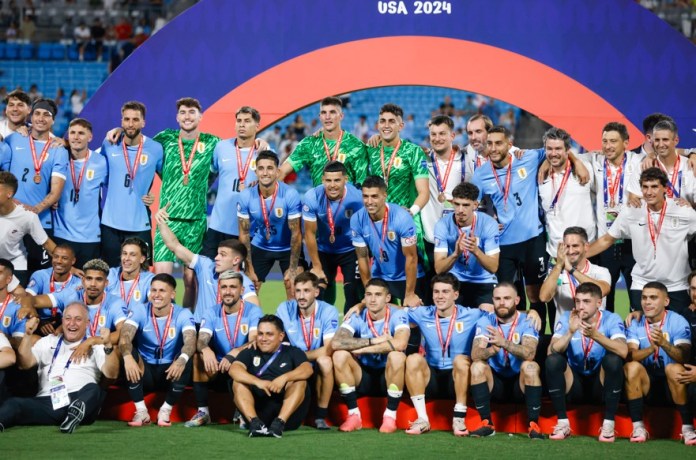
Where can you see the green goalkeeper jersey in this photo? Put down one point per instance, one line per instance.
(409, 164)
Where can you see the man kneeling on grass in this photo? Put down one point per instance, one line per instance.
(270, 382)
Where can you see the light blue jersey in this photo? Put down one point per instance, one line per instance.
(10, 325)
(135, 297)
(153, 333)
(316, 329)
(674, 327)
(505, 363)
(359, 326)
(109, 313)
(40, 283)
(314, 209)
(214, 324)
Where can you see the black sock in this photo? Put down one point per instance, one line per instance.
(532, 395)
(393, 402)
(482, 400)
(686, 414)
(351, 399)
(200, 392)
(555, 381)
(635, 409)
(613, 383)
(321, 412)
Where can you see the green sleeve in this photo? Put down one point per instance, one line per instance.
(301, 156)
(419, 164)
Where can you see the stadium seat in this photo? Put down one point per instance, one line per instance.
(12, 51)
(43, 52)
(26, 51)
(3, 47)
(58, 51)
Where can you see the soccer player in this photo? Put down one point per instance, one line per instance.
(572, 268)
(585, 360)
(165, 334)
(41, 168)
(512, 186)
(10, 324)
(270, 382)
(131, 279)
(388, 232)
(369, 357)
(310, 325)
(659, 344)
(132, 165)
(333, 143)
(15, 223)
(74, 399)
(466, 245)
(326, 213)
(443, 373)
(17, 109)
(8, 358)
(565, 202)
(269, 223)
(188, 154)
(77, 220)
(659, 231)
(54, 279)
(228, 328)
(503, 367)
(612, 171)
(231, 254)
(234, 160)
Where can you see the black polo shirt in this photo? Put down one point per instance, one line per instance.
(289, 359)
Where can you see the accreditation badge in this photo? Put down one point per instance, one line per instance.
(143, 159)
(59, 392)
(459, 327)
(172, 332)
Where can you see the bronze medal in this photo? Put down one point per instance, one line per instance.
(37, 178)
(441, 198)
(241, 186)
(332, 239)
(186, 179)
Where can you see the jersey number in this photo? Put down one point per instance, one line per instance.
(127, 180)
(24, 176)
(518, 200)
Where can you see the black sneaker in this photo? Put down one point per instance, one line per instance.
(321, 424)
(535, 432)
(484, 430)
(277, 428)
(257, 429)
(76, 412)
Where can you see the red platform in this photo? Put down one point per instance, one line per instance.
(661, 422)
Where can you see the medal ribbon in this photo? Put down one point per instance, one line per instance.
(52, 289)
(508, 177)
(38, 163)
(308, 337)
(386, 172)
(672, 192)
(77, 184)
(445, 345)
(4, 305)
(55, 355)
(232, 339)
(329, 214)
(384, 231)
(655, 231)
(161, 339)
(442, 184)
(130, 291)
(511, 332)
(573, 282)
(242, 172)
(334, 155)
(471, 233)
(95, 324)
(264, 210)
(612, 184)
(647, 330)
(134, 170)
(270, 361)
(186, 164)
(561, 188)
(385, 328)
(587, 347)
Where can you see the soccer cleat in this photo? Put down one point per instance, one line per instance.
(163, 417)
(320, 424)
(201, 418)
(257, 429)
(141, 418)
(277, 427)
(418, 426)
(483, 431)
(606, 433)
(459, 427)
(76, 412)
(560, 432)
(639, 434)
(352, 423)
(535, 432)
(388, 425)
(689, 436)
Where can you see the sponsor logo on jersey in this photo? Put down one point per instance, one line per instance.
(516, 338)
(89, 174)
(143, 159)
(279, 212)
(172, 332)
(244, 328)
(522, 172)
(459, 326)
(391, 235)
(256, 361)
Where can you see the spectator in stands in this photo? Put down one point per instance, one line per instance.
(447, 107)
(12, 32)
(507, 119)
(34, 92)
(409, 130)
(469, 109)
(299, 128)
(98, 33)
(28, 28)
(123, 30)
(491, 108)
(77, 101)
(82, 36)
(361, 128)
(273, 138)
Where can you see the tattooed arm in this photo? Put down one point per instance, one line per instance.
(363, 263)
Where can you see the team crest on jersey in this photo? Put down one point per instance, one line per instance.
(252, 165)
(143, 159)
(137, 296)
(279, 212)
(522, 172)
(316, 332)
(516, 338)
(102, 320)
(398, 162)
(172, 332)
(89, 174)
(6, 320)
(348, 213)
(201, 147)
(305, 208)
(459, 326)
(256, 361)
(666, 336)
(341, 157)
(391, 236)
(675, 222)
(244, 328)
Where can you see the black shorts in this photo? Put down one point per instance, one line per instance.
(212, 240)
(268, 408)
(441, 384)
(585, 388)
(220, 383)
(397, 289)
(506, 389)
(83, 251)
(263, 261)
(373, 382)
(111, 240)
(37, 256)
(529, 255)
(474, 294)
(659, 394)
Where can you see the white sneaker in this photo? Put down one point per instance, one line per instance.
(560, 431)
(639, 434)
(607, 433)
(163, 417)
(141, 418)
(689, 436)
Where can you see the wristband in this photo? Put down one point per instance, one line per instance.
(229, 358)
(415, 209)
(185, 356)
(391, 345)
(369, 341)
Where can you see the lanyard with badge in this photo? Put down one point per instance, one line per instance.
(270, 361)
(57, 388)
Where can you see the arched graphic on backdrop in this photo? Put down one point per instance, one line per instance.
(576, 65)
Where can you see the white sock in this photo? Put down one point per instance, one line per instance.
(460, 407)
(564, 421)
(355, 411)
(608, 422)
(419, 404)
(687, 427)
(165, 406)
(390, 413)
(204, 409)
(638, 424)
(140, 405)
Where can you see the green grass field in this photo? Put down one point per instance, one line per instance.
(106, 440)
